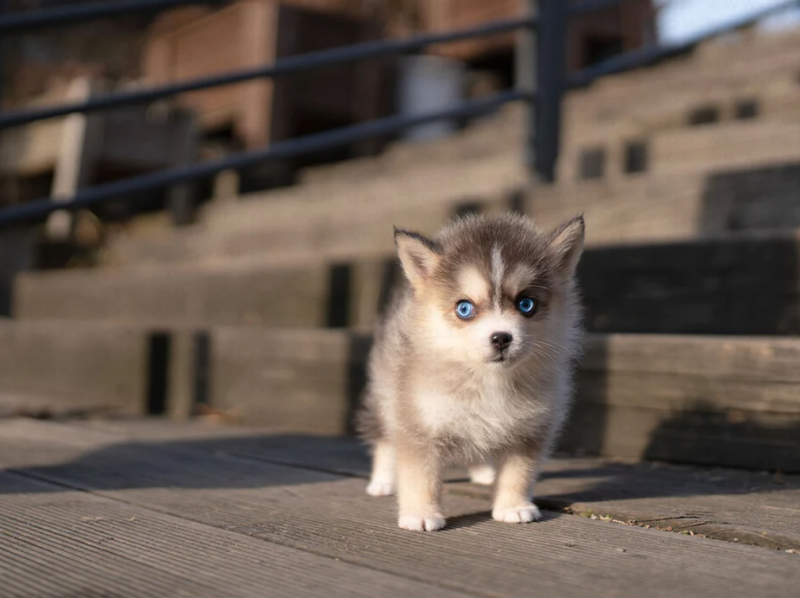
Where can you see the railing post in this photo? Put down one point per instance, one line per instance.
(526, 78)
(541, 65)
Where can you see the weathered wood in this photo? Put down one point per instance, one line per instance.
(709, 400)
(202, 295)
(654, 208)
(324, 221)
(95, 546)
(639, 396)
(261, 32)
(294, 380)
(59, 367)
(742, 284)
(329, 516)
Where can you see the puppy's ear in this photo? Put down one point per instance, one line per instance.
(418, 255)
(567, 245)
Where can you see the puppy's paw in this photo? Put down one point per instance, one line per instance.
(380, 488)
(523, 514)
(482, 474)
(421, 523)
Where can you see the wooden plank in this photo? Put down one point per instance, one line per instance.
(764, 369)
(711, 502)
(202, 295)
(333, 222)
(659, 397)
(89, 545)
(306, 367)
(333, 517)
(741, 284)
(59, 367)
(750, 507)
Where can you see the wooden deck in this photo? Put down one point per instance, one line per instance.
(157, 508)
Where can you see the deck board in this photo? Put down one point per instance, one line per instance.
(58, 542)
(202, 491)
(756, 508)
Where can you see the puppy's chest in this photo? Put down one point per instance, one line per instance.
(483, 417)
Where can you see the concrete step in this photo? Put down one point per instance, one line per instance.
(706, 400)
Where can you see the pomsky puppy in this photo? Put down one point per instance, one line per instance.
(473, 363)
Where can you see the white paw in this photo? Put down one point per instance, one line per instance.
(379, 488)
(418, 523)
(482, 474)
(524, 514)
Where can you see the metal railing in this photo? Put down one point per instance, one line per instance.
(541, 67)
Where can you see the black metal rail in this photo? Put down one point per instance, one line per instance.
(541, 59)
(37, 19)
(291, 65)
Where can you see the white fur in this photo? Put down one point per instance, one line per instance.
(483, 412)
(474, 286)
(472, 345)
(482, 473)
(382, 482)
(418, 523)
(498, 268)
(523, 514)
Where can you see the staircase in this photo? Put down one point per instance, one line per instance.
(691, 275)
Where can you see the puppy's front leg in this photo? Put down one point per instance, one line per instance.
(514, 490)
(419, 487)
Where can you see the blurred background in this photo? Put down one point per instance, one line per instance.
(248, 295)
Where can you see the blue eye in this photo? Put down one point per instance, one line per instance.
(465, 310)
(527, 306)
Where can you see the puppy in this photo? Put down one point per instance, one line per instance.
(473, 363)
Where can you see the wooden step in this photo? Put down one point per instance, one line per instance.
(743, 283)
(687, 150)
(671, 206)
(714, 65)
(331, 221)
(708, 400)
(204, 294)
(737, 284)
(675, 206)
(721, 401)
(61, 368)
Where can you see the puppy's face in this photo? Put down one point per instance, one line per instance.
(492, 292)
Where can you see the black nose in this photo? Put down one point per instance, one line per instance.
(501, 340)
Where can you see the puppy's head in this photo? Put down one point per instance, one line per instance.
(493, 291)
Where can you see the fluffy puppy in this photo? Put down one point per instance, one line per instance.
(473, 363)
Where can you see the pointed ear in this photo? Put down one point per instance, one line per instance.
(419, 256)
(567, 245)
